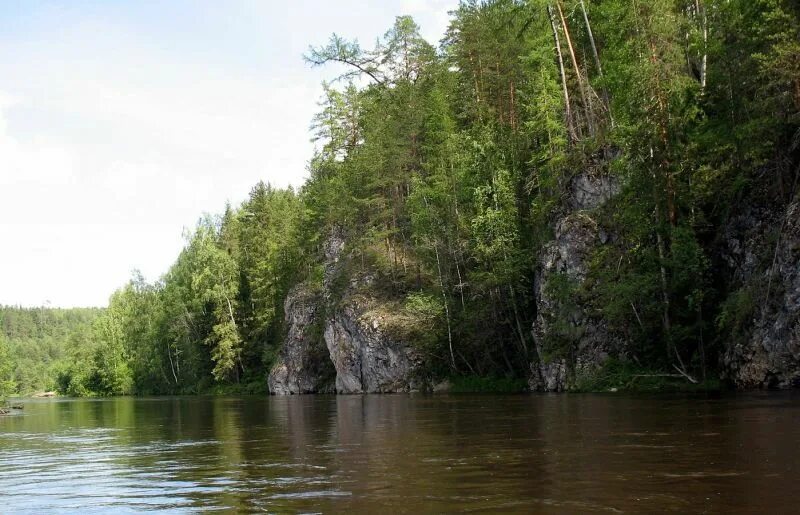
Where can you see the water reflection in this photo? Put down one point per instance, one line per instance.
(551, 454)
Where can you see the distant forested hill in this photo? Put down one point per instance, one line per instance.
(41, 347)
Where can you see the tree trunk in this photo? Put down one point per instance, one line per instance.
(578, 75)
(701, 13)
(446, 309)
(517, 320)
(171, 366)
(460, 280)
(567, 107)
(596, 56)
(444, 299)
(236, 327)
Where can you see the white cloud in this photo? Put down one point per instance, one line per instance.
(118, 128)
(30, 164)
(80, 208)
(433, 12)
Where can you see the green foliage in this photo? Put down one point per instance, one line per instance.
(619, 375)
(563, 331)
(737, 311)
(424, 320)
(41, 342)
(215, 280)
(460, 171)
(7, 383)
(427, 308)
(494, 227)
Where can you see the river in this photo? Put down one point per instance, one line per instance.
(609, 453)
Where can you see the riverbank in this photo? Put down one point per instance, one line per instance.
(614, 378)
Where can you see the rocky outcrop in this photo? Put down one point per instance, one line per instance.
(762, 251)
(590, 191)
(563, 326)
(366, 358)
(304, 365)
(340, 340)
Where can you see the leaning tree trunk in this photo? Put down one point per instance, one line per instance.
(581, 85)
(597, 64)
(567, 107)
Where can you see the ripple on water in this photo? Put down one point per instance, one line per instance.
(576, 454)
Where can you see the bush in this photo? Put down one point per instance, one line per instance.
(622, 375)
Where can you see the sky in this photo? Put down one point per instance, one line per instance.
(122, 122)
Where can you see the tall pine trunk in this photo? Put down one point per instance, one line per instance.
(597, 64)
(559, 54)
(578, 75)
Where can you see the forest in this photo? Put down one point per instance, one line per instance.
(40, 347)
(446, 167)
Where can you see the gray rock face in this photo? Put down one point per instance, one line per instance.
(575, 237)
(549, 377)
(355, 354)
(304, 365)
(333, 247)
(770, 355)
(745, 241)
(589, 191)
(366, 359)
(566, 259)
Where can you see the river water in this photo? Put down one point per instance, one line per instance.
(573, 453)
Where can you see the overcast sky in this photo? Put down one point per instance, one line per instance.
(121, 122)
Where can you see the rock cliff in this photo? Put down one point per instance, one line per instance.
(563, 325)
(342, 339)
(366, 358)
(354, 345)
(304, 365)
(762, 250)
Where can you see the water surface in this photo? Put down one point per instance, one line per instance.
(404, 454)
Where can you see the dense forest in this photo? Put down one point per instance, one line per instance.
(45, 349)
(446, 169)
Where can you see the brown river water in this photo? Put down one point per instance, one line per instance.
(605, 453)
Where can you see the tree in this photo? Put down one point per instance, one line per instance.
(401, 55)
(7, 383)
(113, 374)
(215, 280)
